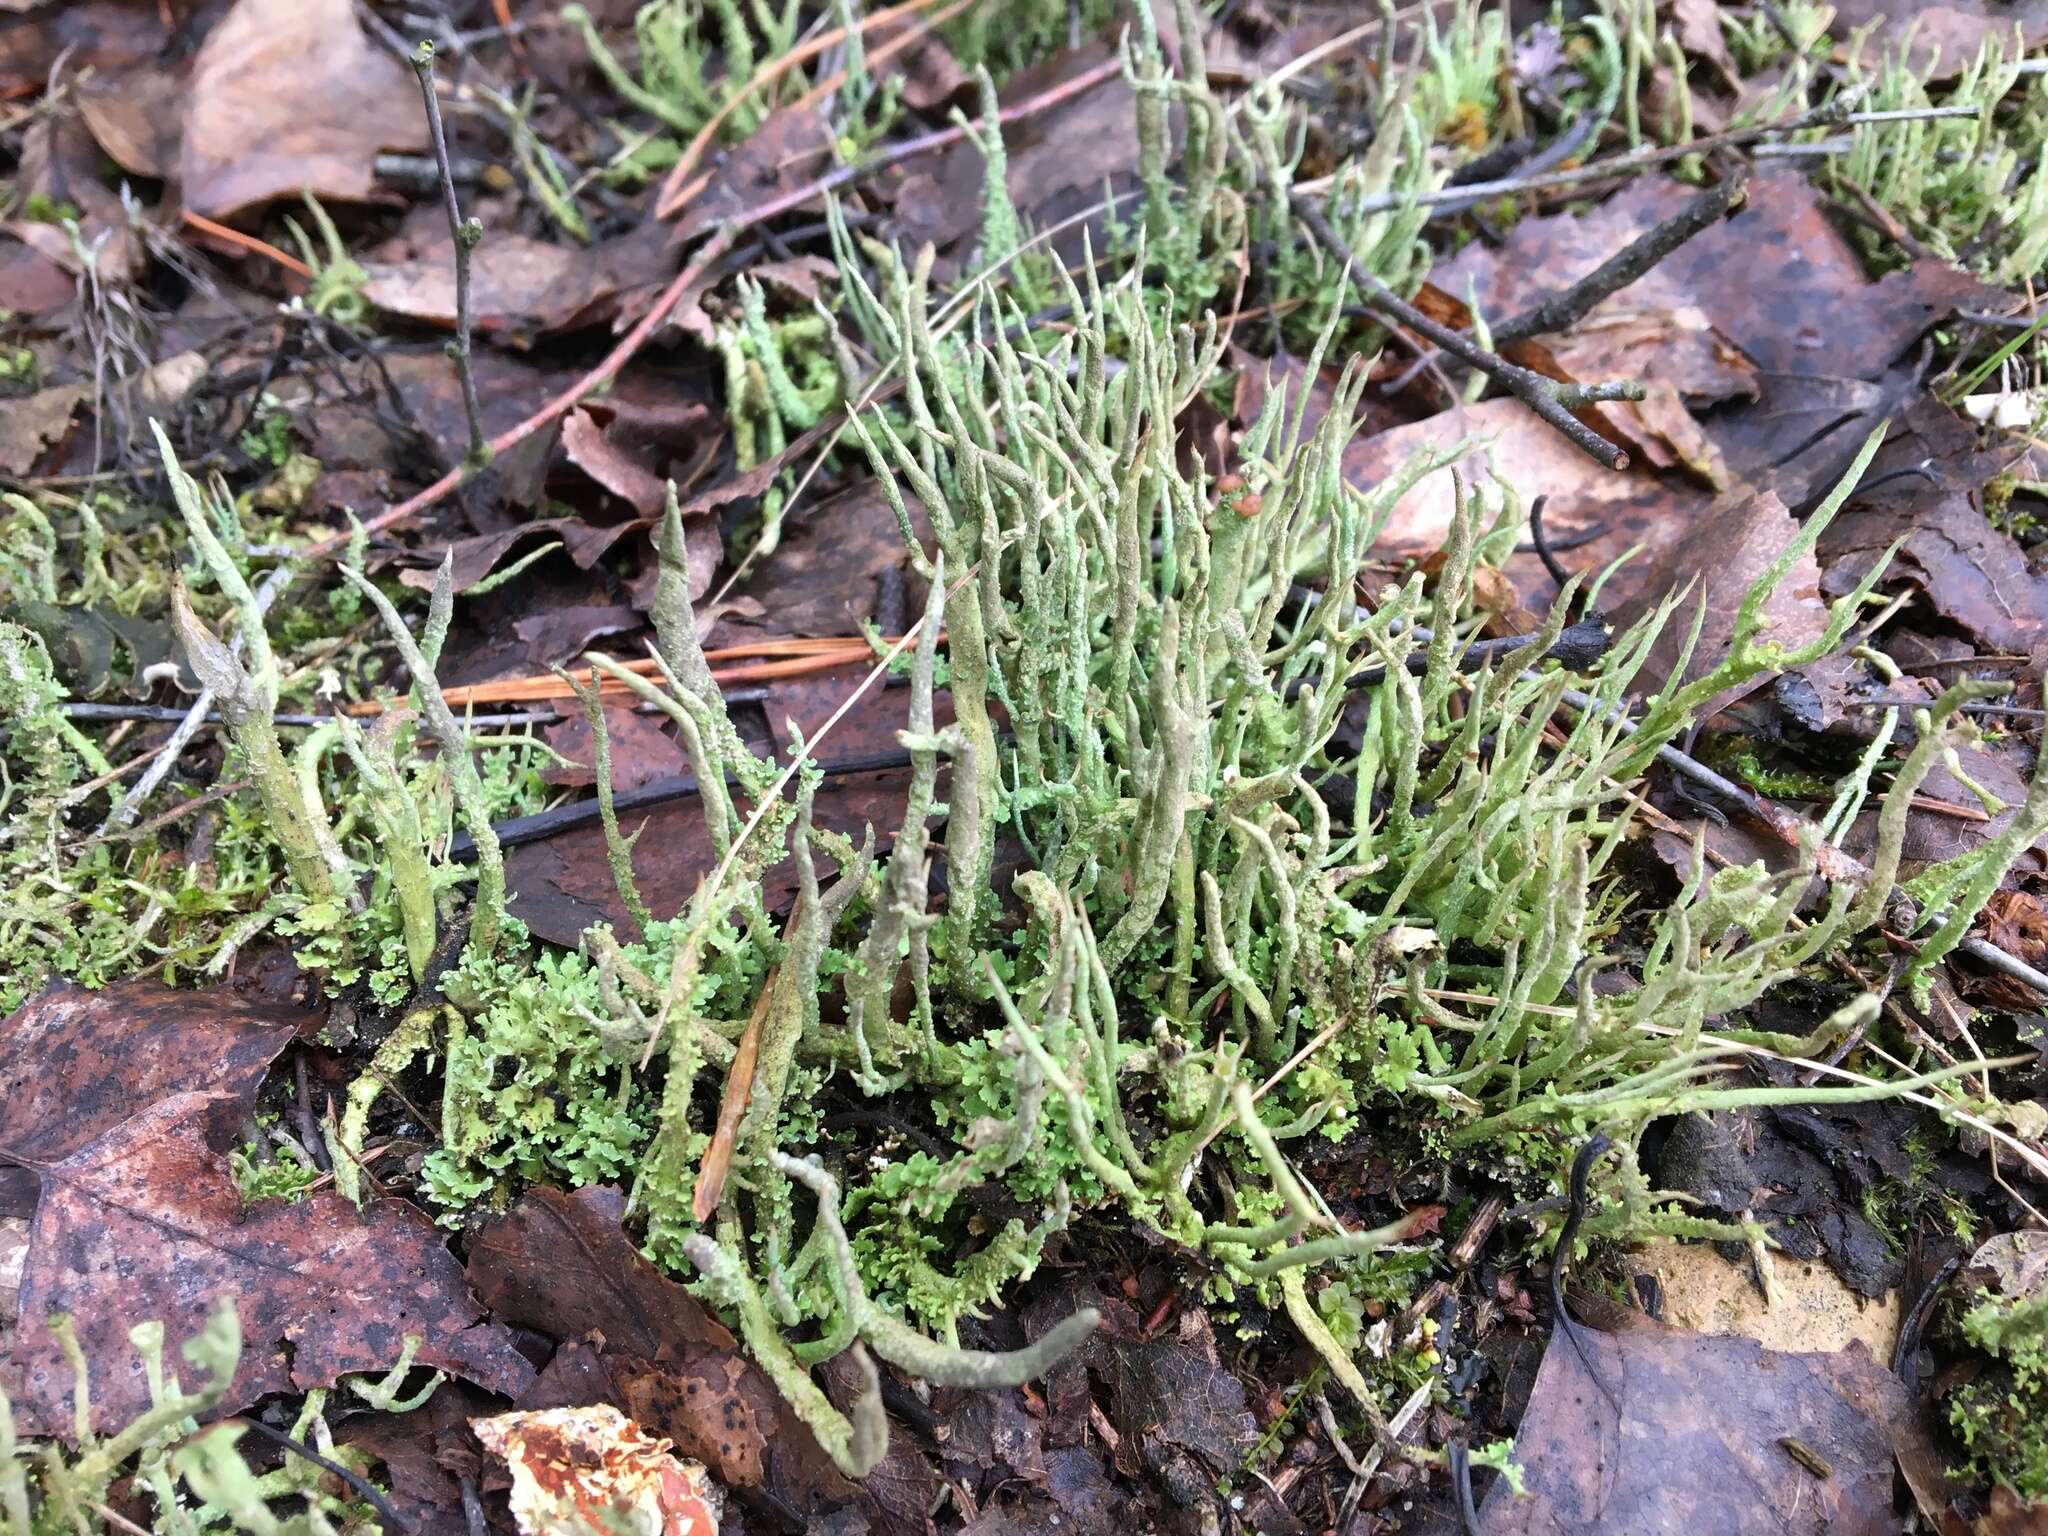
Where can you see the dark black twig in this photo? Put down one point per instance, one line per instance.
(389, 1516)
(1571, 541)
(1552, 401)
(1461, 1485)
(1916, 1320)
(1561, 1258)
(1577, 648)
(1628, 264)
(466, 234)
(567, 818)
(1544, 550)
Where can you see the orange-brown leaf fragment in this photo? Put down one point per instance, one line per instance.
(593, 1470)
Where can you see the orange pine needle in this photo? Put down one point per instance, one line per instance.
(250, 243)
(760, 661)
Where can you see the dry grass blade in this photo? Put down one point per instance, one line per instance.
(732, 1108)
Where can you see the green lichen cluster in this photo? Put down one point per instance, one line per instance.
(1123, 1029)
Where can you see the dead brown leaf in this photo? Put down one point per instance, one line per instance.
(933, 80)
(426, 1453)
(591, 450)
(1660, 1430)
(74, 1063)
(476, 557)
(289, 96)
(791, 149)
(60, 161)
(1946, 37)
(563, 884)
(1519, 450)
(641, 752)
(147, 1222)
(31, 283)
(1974, 575)
(1815, 316)
(823, 577)
(555, 634)
(521, 288)
(802, 705)
(1179, 1417)
(1718, 557)
(134, 114)
(1698, 28)
(1058, 162)
(29, 427)
(559, 1263)
(105, 35)
(808, 277)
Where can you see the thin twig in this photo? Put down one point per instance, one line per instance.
(466, 234)
(168, 712)
(1636, 161)
(677, 192)
(1625, 266)
(1551, 401)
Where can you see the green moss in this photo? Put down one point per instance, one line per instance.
(2001, 1414)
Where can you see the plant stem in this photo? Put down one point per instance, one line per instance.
(466, 234)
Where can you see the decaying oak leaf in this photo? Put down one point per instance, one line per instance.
(559, 1263)
(147, 1223)
(593, 1472)
(1715, 562)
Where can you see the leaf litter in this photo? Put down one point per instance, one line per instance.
(155, 183)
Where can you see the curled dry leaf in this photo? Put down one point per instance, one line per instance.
(147, 1222)
(592, 1471)
(1517, 449)
(591, 450)
(288, 96)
